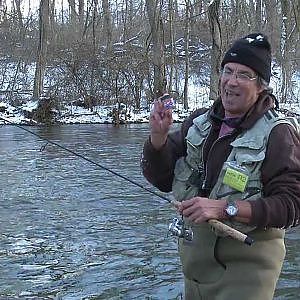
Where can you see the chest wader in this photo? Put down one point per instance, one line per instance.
(219, 266)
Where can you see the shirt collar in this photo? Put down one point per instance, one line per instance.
(232, 122)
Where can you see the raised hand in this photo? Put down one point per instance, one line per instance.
(160, 122)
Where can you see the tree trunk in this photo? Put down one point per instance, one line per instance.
(172, 41)
(91, 97)
(3, 10)
(258, 16)
(187, 56)
(215, 30)
(72, 13)
(19, 14)
(42, 49)
(288, 28)
(296, 11)
(107, 25)
(154, 17)
(81, 12)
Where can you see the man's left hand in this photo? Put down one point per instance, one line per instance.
(199, 209)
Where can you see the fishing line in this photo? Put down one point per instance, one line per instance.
(87, 159)
(176, 227)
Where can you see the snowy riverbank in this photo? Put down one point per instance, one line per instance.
(80, 115)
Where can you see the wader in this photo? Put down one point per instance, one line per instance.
(217, 267)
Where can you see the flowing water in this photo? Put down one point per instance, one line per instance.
(71, 230)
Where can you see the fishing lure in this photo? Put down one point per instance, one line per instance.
(168, 101)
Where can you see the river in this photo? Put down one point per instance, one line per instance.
(71, 230)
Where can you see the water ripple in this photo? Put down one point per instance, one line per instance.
(70, 230)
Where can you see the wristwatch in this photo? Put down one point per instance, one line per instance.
(231, 209)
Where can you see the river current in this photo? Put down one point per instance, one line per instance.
(71, 230)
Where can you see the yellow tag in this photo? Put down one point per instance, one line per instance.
(235, 179)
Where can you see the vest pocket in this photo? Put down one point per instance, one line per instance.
(184, 183)
(194, 140)
(248, 153)
(252, 188)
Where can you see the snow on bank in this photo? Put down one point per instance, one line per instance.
(71, 114)
(99, 115)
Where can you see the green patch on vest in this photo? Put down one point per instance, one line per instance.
(237, 179)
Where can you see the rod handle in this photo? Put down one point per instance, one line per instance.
(224, 228)
(235, 234)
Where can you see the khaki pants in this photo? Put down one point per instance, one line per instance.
(251, 272)
(238, 284)
(194, 291)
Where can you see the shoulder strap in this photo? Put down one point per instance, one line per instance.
(272, 116)
(294, 122)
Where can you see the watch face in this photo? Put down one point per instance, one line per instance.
(231, 210)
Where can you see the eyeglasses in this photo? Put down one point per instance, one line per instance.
(242, 77)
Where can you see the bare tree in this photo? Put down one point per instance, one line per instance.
(296, 13)
(215, 30)
(187, 56)
(157, 38)
(3, 10)
(90, 99)
(258, 16)
(73, 13)
(172, 43)
(42, 49)
(81, 12)
(107, 24)
(103, 50)
(17, 4)
(288, 30)
(273, 26)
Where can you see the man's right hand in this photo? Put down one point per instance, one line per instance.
(160, 122)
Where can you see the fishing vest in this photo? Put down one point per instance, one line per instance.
(248, 153)
(245, 160)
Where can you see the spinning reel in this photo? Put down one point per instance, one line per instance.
(177, 228)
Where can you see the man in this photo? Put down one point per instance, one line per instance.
(239, 163)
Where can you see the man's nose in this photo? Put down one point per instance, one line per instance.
(233, 79)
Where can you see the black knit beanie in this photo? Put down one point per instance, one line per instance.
(253, 51)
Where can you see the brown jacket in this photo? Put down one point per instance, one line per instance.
(280, 205)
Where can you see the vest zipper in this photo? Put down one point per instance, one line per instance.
(216, 141)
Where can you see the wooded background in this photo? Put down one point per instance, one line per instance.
(106, 52)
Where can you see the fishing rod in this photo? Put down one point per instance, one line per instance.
(87, 159)
(177, 227)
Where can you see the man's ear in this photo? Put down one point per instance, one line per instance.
(260, 88)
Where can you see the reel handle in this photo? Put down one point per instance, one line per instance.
(227, 230)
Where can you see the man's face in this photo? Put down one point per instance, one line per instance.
(239, 89)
